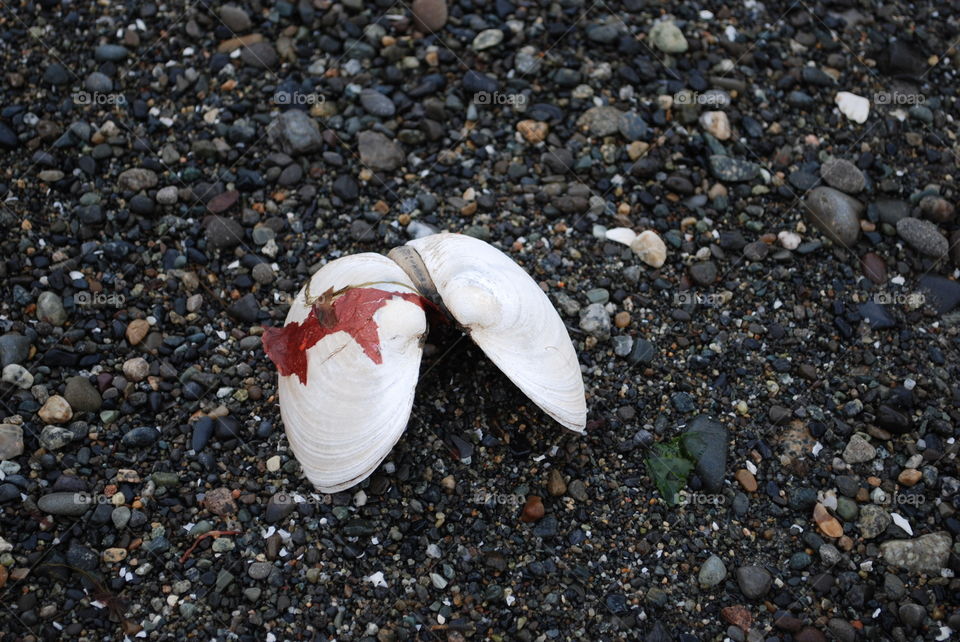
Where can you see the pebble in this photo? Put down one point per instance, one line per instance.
(11, 441)
(706, 440)
(703, 273)
(81, 395)
(487, 38)
(14, 348)
(65, 503)
(836, 214)
(55, 410)
(556, 485)
(712, 572)
(136, 331)
(874, 268)
(50, 309)
(603, 120)
(295, 132)
(873, 521)
(377, 104)
(650, 248)
(16, 375)
(859, 450)
(716, 124)
(733, 170)
(430, 15)
(136, 369)
(141, 437)
(533, 509)
(746, 480)
(923, 236)
(854, 107)
(925, 554)
(827, 523)
(843, 175)
(595, 321)
(533, 131)
(137, 179)
(379, 152)
(754, 582)
(55, 437)
(168, 195)
(235, 18)
(668, 38)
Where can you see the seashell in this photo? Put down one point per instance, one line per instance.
(349, 353)
(854, 107)
(621, 235)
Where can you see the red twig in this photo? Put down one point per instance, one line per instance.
(186, 555)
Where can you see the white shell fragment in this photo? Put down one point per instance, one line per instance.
(511, 319)
(648, 246)
(351, 411)
(854, 107)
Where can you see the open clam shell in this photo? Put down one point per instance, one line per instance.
(510, 318)
(350, 412)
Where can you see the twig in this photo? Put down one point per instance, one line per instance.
(186, 555)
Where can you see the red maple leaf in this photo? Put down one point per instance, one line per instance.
(349, 311)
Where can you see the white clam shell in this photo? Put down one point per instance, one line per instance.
(511, 319)
(621, 235)
(351, 411)
(854, 107)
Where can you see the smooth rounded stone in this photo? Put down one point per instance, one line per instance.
(486, 39)
(891, 211)
(50, 309)
(622, 345)
(937, 209)
(595, 321)
(940, 293)
(603, 120)
(733, 170)
(923, 236)
(17, 375)
(706, 440)
(874, 268)
(260, 55)
(912, 615)
(377, 104)
(262, 273)
(141, 437)
(167, 195)
(120, 517)
(379, 152)
(756, 251)
(754, 581)
(716, 124)
(643, 352)
(859, 450)
(843, 175)
(136, 369)
(235, 18)
(14, 348)
(137, 179)
(222, 232)
(667, 37)
(650, 248)
(873, 521)
(295, 132)
(82, 395)
(835, 214)
(632, 126)
(346, 187)
(429, 15)
(703, 273)
(98, 83)
(65, 503)
(259, 570)
(110, 53)
(55, 410)
(925, 554)
(55, 437)
(11, 441)
(56, 74)
(712, 572)
(279, 507)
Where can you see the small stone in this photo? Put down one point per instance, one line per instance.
(379, 152)
(65, 503)
(859, 450)
(377, 104)
(55, 437)
(295, 132)
(235, 18)
(556, 485)
(136, 369)
(533, 131)
(836, 214)
(578, 490)
(260, 570)
(429, 15)
(668, 38)
(120, 517)
(854, 107)
(136, 331)
(273, 464)
(706, 440)
(746, 479)
(168, 195)
(279, 507)
(827, 523)
(595, 321)
(874, 268)
(602, 120)
(17, 375)
(650, 248)
(716, 124)
(487, 38)
(754, 581)
(11, 441)
(703, 273)
(923, 236)
(114, 555)
(50, 309)
(909, 477)
(533, 509)
(82, 395)
(219, 501)
(873, 521)
(141, 437)
(843, 175)
(137, 179)
(924, 554)
(712, 572)
(733, 170)
(260, 55)
(56, 410)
